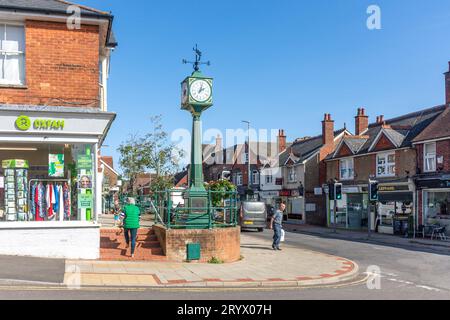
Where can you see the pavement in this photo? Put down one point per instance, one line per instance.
(260, 267)
(419, 243)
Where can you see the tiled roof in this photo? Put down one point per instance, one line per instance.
(439, 128)
(302, 150)
(403, 130)
(49, 6)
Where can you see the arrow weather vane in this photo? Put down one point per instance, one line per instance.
(198, 58)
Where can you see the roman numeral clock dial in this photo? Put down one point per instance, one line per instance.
(201, 90)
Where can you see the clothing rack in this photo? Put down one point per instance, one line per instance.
(30, 183)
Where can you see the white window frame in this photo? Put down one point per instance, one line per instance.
(348, 165)
(239, 179)
(269, 177)
(4, 54)
(386, 164)
(432, 157)
(292, 174)
(255, 177)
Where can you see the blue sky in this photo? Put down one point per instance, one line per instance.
(280, 64)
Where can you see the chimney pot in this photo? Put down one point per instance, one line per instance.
(361, 122)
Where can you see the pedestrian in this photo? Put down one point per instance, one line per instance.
(276, 225)
(131, 224)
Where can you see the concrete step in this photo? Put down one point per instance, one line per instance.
(122, 245)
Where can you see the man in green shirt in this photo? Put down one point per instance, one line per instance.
(131, 224)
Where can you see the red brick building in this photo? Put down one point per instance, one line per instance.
(410, 158)
(54, 66)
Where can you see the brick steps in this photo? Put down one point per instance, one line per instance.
(113, 246)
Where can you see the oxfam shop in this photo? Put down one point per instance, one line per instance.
(50, 193)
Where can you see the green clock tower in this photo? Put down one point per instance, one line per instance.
(196, 97)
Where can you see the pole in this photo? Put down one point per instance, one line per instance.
(369, 220)
(335, 214)
(249, 167)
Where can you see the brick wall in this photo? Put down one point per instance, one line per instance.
(223, 244)
(443, 150)
(405, 160)
(383, 144)
(62, 66)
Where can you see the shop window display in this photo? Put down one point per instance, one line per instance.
(437, 204)
(47, 182)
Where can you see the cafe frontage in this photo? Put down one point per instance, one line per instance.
(50, 188)
(433, 192)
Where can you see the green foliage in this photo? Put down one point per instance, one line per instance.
(222, 190)
(215, 260)
(152, 152)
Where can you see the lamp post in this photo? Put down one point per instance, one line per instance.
(249, 180)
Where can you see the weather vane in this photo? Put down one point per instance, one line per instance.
(198, 58)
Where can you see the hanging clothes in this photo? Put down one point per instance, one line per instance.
(61, 203)
(41, 205)
(33, 202)
(66, 201)
(50, 200)
(56, 197)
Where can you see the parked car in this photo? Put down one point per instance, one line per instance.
(253, 215)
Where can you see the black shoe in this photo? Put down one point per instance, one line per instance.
(279, 249)
(274, 248)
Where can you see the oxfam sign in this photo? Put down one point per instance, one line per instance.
(24, 123)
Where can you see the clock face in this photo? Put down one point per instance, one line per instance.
(201, 90)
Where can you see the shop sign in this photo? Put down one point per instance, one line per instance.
(15, 164)
(295, 193)
(285, 193)
(269, 194)
(392, 188)
(23, 123)
(318, 191)
(56, 165)
(85, 201)
(84, 162)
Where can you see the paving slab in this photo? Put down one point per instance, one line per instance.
(261, 267)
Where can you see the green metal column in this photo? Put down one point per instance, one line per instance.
(196, 177)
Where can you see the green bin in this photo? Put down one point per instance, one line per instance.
(193, 251)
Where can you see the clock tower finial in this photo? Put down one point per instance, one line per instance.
(198, 60)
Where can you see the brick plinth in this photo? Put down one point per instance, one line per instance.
(223, 244)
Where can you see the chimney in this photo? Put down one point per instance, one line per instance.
(219, 146)
(380, 120)
(328, 130)
(281, 141)
(361, 122)
(447, 86)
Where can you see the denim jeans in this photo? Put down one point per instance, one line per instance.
(133, 234)
(276, 235)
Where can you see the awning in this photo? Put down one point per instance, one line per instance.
(396, 196)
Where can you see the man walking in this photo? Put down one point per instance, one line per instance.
(276, 225)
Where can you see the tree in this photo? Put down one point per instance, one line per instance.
(154, 153)
(222, 190)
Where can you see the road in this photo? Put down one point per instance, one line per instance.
(405, 274)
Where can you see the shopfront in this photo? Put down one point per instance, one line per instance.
(395, 209)
(435, 204)
(50, 189)
(351, 210)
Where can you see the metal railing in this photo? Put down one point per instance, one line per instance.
(175, 210)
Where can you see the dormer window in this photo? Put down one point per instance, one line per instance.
(12, 54)
(430, 157)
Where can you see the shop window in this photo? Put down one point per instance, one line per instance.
(430, 157)
(347, 169)
(47, 182)
(12, 54)
(386, 165)
(437, 204)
